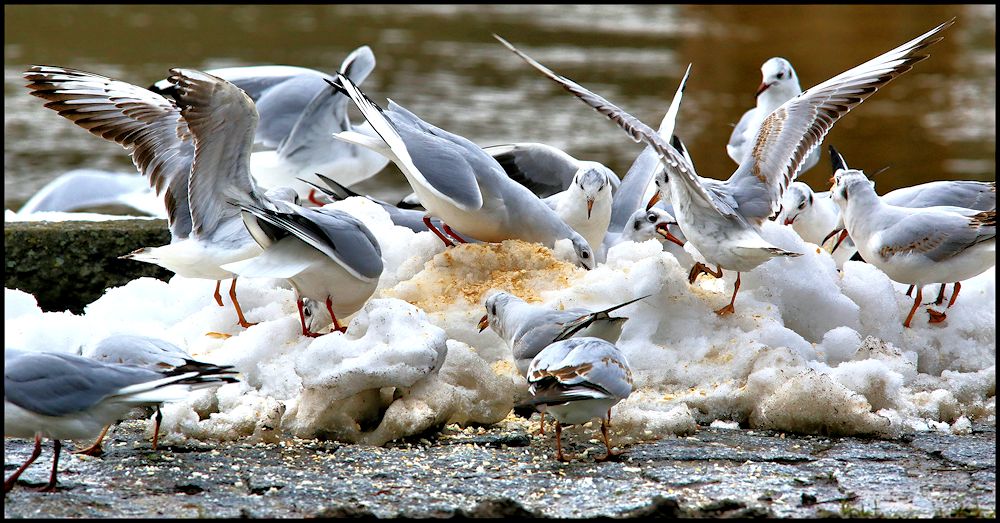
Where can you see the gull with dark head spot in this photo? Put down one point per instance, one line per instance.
(779, 84)
(63, 396)
(722, 220)
(194, 153)
(458, 182)
(916, 246)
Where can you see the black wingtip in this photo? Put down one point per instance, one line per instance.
(837, 159)
(338, 87)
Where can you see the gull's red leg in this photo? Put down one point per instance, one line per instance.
(336, 324)
(731, 308)
(51, 485)
(218, 295)
(607, 443)
(916, 303)
(954, 294)
(156, 427)
(312, 198)
(239, 311)
(433, 229)
(9, 482)
(302, 318)
(95, 449)
(940, 298)
(453, 234)
(559, 453)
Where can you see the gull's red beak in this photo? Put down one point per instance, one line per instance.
(843, 236)
(664, 230)
(789, 221)
(763, 87)
(590, 206)
(653, 200)
(484, 322)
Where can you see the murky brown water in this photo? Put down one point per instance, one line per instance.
(936, 122)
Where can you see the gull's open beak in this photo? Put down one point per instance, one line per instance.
(828, 236)
(590, 206)
(789, 221)
(653, 200)
(843, 236)
(763, 87)
(664, 230)
(484, 322)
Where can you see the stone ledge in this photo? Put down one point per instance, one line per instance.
(67, 265)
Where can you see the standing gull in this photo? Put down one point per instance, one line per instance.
(327, 255)
(458, 182)
(63, 396)
(193, 152)
(917, 246)
(578, 380)
(779, 84)
(722, 220)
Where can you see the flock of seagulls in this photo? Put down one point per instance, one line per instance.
(235, 211)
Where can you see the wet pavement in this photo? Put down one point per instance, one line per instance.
(507, 470)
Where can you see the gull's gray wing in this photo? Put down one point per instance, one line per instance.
(938, 235)
(449, 174)
(83, 188)
(342, 237)
(146, 124)
(542, 168)
(140, 351)
(579, 368)
(981, 196)
(54, 384)
(672, 160)
(736, 148)
(222, 118)
(789, 134)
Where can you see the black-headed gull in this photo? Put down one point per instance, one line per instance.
(327, 255)
(458, 182)
(779, 84)
(578, 380)
(63, 396)
(586, 187)
(916, 246)
(646, 225)
(722, 219)
(193, 152)
(299, 114)
(528, 328)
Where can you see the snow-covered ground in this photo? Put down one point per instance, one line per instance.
(809, 349)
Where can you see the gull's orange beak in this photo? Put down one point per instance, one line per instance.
(760, 89)
(590, 206)
(653, 200)
(484, 322)
(789, 221)
(664, 230)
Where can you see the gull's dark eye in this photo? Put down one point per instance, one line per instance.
(651, 218)
(493, 310)
(802, 205)
(585, 255)
(781, 75)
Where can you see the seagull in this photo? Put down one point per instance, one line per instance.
(585, 187)
(89, 188)
(722, 219)
(528, 328)
(577, 380)
(779, 84)
(299, 113)
(193, 151)
(64, 396)
(458, 182)
(918, 246)
(645, 225)
(811, 215)
(327, 255)
(139, 351)
(637, 186)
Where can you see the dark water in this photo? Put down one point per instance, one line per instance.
(936, 122)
